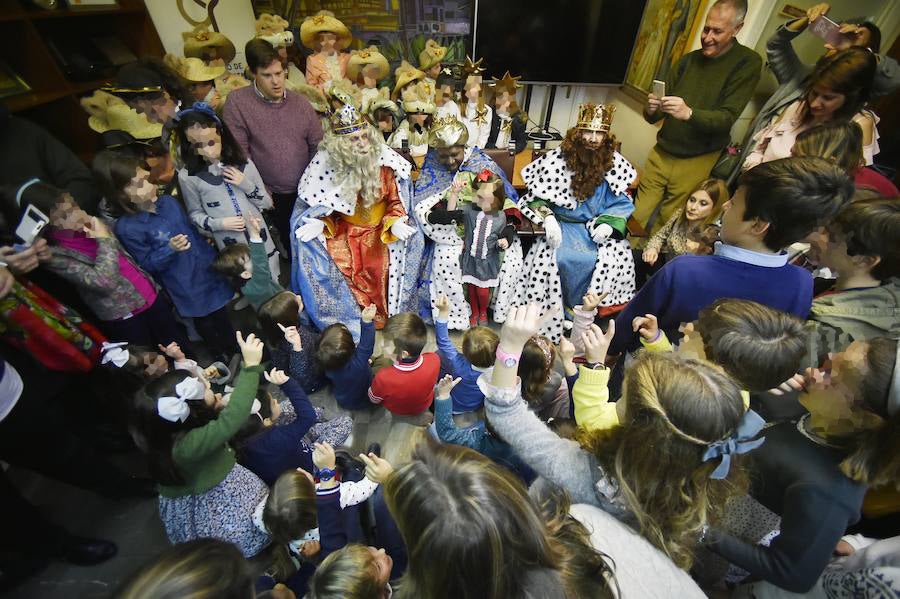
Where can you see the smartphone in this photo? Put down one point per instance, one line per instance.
(659, 88)
(828, 30)
(31, 225)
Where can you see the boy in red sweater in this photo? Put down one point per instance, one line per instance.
(407, 387)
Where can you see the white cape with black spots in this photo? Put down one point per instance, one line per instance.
(549, 178)
(446, 273)
(320, 187)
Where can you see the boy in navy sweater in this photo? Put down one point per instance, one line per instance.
(776, 204)
(477, 357)
(346, 366)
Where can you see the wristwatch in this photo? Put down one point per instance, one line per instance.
(509, 360)
(325, 474)
(595, 365)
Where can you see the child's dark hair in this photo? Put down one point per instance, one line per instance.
(851, 73)
(759, 346)
(231, 262)
(479, 346)
(875, 461)
(156, 436)
(113, 171)
(336, 346)
(794, 195)
(281, 308)
(871, 227)
(202, 569)
(348, 573)
(535, 366)
(43, 196)
(232, 154)
(499, 190)
(290, 512)
(149, 73)
(408, 332)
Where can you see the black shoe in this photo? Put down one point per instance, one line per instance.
(81, 551)
(374, 448)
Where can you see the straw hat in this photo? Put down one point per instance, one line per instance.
(311, 93)
(195, 71)
(431, 55)
(382, 100)
(417, 98)
(122, 118)
(200, 42)
(267, 24)
(324, 20)
(447, 132)
(343, 91)
(361, 58)
(229, 83)
(99, 102)
(405, 73)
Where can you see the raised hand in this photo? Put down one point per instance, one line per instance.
(254, 226)
(646, 326)
(292, 336)
(591, 301)
(522, 323)
(173, 350)
(323, 456)
(443, 307)
(251, 349)
(596, 342)
(445, 386)
(276, 377)
(378, 469)
(369, 312)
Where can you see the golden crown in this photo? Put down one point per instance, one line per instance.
(595, 117)
(446, 132)
(347, 120)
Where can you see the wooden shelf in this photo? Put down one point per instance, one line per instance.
(32, 99)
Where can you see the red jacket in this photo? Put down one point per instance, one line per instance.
(406, 389)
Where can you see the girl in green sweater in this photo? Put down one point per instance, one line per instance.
(203, 492)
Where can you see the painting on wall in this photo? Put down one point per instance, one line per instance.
(399, 28)
(665, 35)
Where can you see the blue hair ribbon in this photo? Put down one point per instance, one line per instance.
(740, 441)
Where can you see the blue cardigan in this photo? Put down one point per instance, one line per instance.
(350, 383)
(281, 448)
(687, 284)
(467, 397)
(188, 278)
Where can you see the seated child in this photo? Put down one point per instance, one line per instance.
(157, 232)
(247, 267)
(479, 344)
(776, 204)
(479, 436)
(407, 387)
(268, 448)
(353, 571)
(291, 339)
(203, 491)
(346, 365)
(861, 245)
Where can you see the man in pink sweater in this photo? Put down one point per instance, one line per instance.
(277, 129)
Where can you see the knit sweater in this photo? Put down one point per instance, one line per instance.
(280, 137)
(202, 455)
(717, 90)
(350, 383)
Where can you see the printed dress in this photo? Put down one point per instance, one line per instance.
(480, 258)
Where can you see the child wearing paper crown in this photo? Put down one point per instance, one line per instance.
(203, 491)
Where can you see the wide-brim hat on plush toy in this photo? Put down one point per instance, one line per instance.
(99, 102)
(315, 96)
(320, 22)
(447, 132)
(417, 99)
(359, 59)
(120, 117)
(267, 24)
(195, 70)
(382, 100)
(200, 43)
(405, 74)
(431, 55)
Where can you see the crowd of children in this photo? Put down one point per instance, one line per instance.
(721, 431)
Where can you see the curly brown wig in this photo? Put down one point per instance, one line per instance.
(588, 166)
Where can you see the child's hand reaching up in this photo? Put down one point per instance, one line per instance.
(323, 456)
(276, 377)
(378, 469)
(251, 349)
(567, 355)
(254, 226)
(445, 386)
(443, 307)
(591, 301)
(292, 336)
(173, 350)
(647, 327)
(180, 243)
(596, 342)
(368, 313)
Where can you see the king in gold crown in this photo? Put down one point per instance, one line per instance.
(595, 117)
(347, 120)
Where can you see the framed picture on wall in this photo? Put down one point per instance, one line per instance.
(10, 83)
(665, 35)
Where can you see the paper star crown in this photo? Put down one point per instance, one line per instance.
(595, 117)
(472, 67)
(347, 120)
(507, 84)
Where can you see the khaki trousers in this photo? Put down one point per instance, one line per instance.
(666, 183)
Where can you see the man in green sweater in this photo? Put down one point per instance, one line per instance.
(705, 93)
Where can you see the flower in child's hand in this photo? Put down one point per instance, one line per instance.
(646, 326)
(369, 312)
(292, 336)
(173, 350)
(445, 386)
(323, 456)
(378, 469)
(591, 301)
(310, 549)
(276, 377)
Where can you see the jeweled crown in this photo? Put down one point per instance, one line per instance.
(595, 117)
(347, 120)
